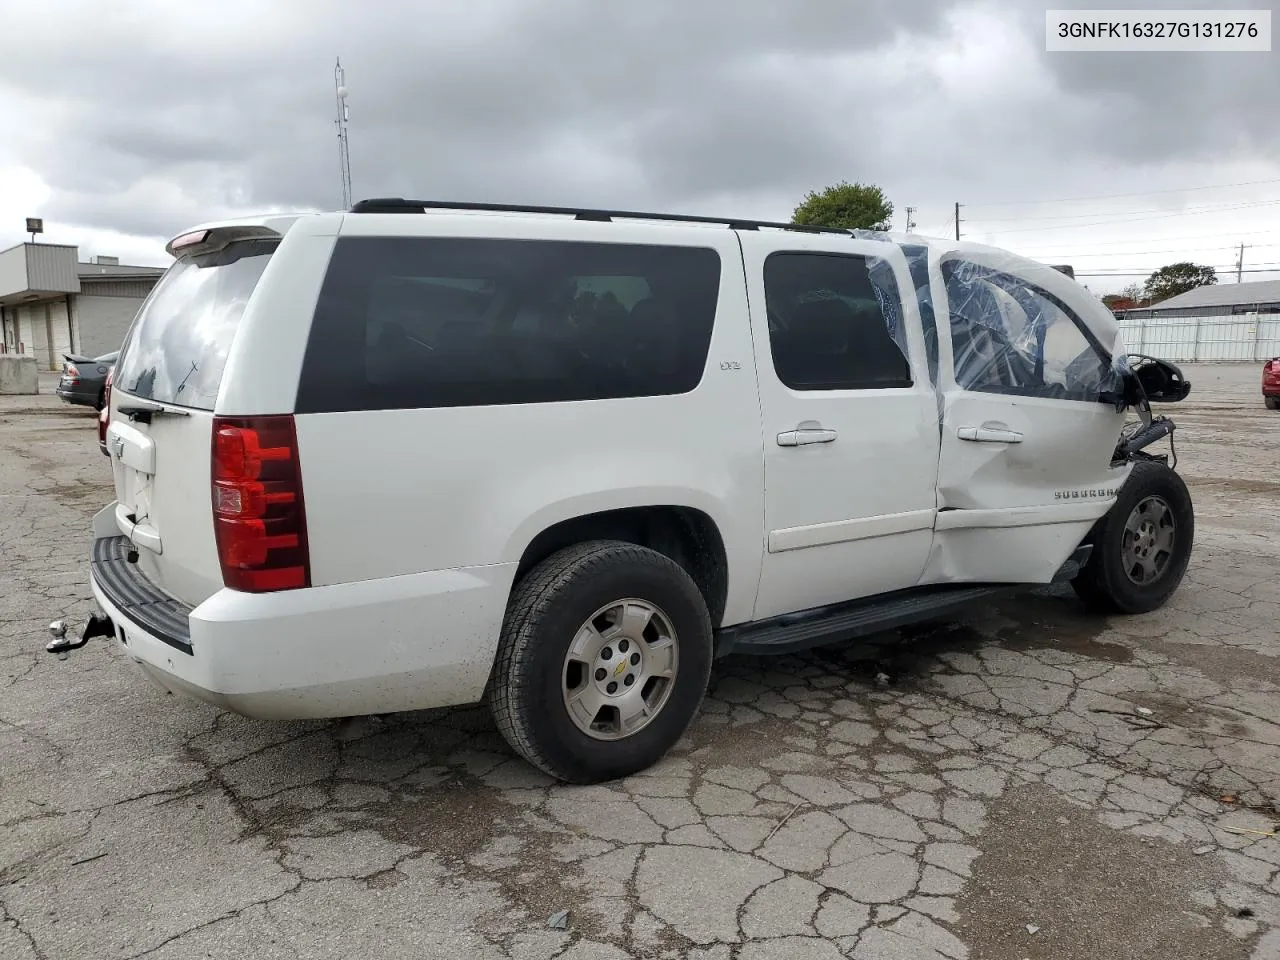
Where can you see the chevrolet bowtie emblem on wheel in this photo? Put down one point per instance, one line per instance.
(620, 668)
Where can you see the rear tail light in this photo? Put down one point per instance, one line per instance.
(258, 517)
(104, 415)
(72, 370)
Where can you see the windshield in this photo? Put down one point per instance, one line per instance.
(179, 343)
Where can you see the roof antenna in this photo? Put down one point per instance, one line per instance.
(344, 157)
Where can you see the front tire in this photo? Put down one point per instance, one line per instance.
(1141, 548)
(603, 662)
(1273, 403)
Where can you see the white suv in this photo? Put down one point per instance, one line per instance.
(419, 454)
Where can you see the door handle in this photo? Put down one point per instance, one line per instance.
(989, 434)
(808, 432)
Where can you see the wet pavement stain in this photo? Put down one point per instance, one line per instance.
(1224, 664)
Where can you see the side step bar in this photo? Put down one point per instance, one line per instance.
(794, 632)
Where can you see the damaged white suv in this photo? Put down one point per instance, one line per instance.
(420, 454)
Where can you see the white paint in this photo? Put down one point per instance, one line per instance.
(881, 464)
(842, 531)
(374, 646)
(416, 519)
(998, 518)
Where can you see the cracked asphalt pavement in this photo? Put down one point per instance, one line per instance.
(1027, 782)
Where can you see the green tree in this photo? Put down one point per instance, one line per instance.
(846, 206)
(1178, 278)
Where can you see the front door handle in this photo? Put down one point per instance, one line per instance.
(988, 433)
(808, 432)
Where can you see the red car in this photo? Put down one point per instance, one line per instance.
(1271, 383)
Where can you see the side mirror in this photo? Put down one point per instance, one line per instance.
(1161, 381)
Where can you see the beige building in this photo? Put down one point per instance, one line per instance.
(51, 303)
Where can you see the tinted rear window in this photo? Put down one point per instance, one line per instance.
(179, 342)
(432, 322)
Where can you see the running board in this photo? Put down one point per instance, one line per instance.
(793, 632)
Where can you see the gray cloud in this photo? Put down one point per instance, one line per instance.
(148, 123)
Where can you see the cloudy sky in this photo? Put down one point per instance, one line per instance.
(128, 122)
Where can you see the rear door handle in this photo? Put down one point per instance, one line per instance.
(989, 434)
(808, 432)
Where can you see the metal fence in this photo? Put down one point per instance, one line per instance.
(1206, 339)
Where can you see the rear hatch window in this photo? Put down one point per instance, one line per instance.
(174, 355)
(179, 343)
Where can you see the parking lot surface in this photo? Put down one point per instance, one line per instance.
(1029, 782)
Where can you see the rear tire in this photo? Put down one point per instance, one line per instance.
(603, 662)
(101, 401)
(1141, 548)
(1273, 403)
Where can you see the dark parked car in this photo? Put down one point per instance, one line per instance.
(84, 379)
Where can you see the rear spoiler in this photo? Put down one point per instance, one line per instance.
(76, 358)
(211, 239)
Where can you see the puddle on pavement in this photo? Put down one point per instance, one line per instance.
(1192, 714)
(1092, 891)
(1056, 623)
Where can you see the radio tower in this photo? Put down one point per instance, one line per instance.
(344, 156)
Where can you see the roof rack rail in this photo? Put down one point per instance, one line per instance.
(401, 205)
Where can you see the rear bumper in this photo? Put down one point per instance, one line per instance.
(376, 646)
(78, 394)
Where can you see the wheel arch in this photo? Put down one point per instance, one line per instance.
(687, 535)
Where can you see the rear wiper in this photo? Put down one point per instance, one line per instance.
(143, 412)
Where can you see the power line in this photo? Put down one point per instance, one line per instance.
(1203, 208)
(1103, 223)
(1147, 270)
(1140, 193)
(1191, 244)
(1131, 253)
(1266, 267)
(1194, 236)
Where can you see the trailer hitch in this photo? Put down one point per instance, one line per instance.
(98, 625)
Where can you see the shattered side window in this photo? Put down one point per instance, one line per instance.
(1010, 336)
(835, 322)
(918, 267)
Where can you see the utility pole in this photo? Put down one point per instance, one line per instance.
(957, 221)
(1240, 263)
(344, 156)
(911, 224)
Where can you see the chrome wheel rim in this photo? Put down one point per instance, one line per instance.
(1149, 535)
(620, 669)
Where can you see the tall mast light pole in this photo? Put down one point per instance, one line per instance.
(344, 156)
